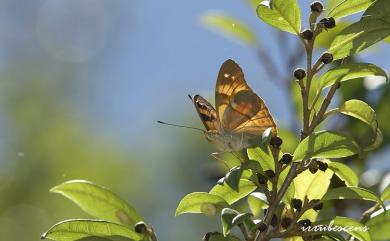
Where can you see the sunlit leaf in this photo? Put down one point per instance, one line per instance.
(229, 27)
(98, 201)
(282, 14)
(257, 202)
(359, 110)
(263, 157)
(193, 202)
(324, 39)
(75, 229)
(359, 36)
(326, 144)
(380, 9)
(352, 193)
(345, 173)
(291, 188)
(351, 226)
(379, 225)
(230, 195)
(349, 72)
(349, 7)
(386, 194)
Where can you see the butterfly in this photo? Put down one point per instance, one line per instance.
(239, 116)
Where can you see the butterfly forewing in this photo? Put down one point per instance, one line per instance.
(207, 113)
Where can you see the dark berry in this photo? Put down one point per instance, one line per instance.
(262, 227)
(296, 203)
(322, 165)
(276, 142)
(261, 179)
(305, 223)
(274, 221)
(313, 168)
(299, 73)
(318, 206)
(286, 222)
(140, 227)
(327, 58)
(286, 158)
(316, 7)
(270, 173)
(307, 34)
(328, 23)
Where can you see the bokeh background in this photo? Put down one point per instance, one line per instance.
(83, 82)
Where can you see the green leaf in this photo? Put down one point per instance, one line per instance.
(75, 229)
(325, 39)
(282, 14)
(352, 193)
(241, 218)
(230, 195)
(350, 226)
(386, 194)
(197, 201)
(326, 144)
(257, 201)
(380, 9)
(232, 178)
(349, 72)
(314, 186)
(291, 188)
(227, 216)
(359, 110)
(98, 201)
(229, 27)
(263, 157)
(379, 225)
(349, 7)
(345, 173)
(359, 36)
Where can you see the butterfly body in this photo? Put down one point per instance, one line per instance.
(240, 115)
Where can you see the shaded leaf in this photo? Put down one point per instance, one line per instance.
(349, 72)
(195, 202)
(326, 144)
(219, 237)
(352, 193)
(74, 229)
(282, 14)
(229, 27)
(345, 173)
(379, 225)
(227, 216)
(98, 201)
(386, 194)
(230, 195)
(349, 7)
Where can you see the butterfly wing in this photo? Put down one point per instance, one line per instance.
(238, 107)
(207, 113)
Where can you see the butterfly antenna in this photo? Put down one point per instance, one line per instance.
(190, 96)
(187, 127)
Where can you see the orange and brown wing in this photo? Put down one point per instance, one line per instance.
(230, 81)
(238, 107)
(207, 113)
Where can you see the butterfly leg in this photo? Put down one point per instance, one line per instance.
(215, 155)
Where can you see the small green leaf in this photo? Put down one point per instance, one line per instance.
(282, 14)
(377, 140)
(352, 193)
(193, 202)
(326, 144)
(348, 225)
(379, 225)
(229, 27)
(241, 218)
(263, 157)
(359, 36)
(345, 173)
(349, 72)
(386, 194)
(98, 201)
(76, 229)
(257, 201)
(227, 216)
(232, 178)
(230, 195)
(349, 7)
